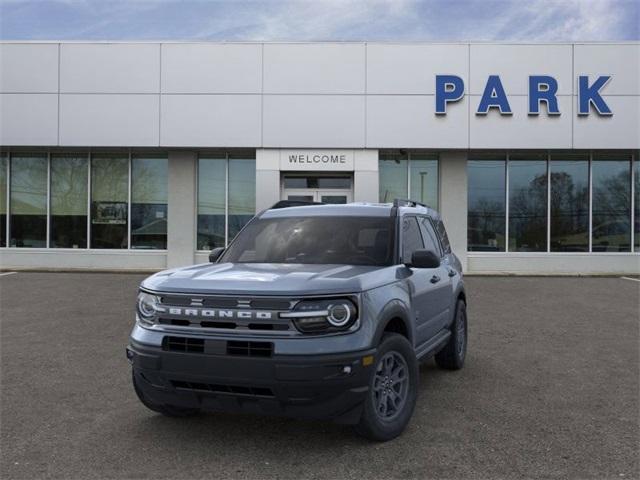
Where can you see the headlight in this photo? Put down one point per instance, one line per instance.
(147, 306)
(323, 316)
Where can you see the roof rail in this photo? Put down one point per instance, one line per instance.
(401, 202)
(293, 203)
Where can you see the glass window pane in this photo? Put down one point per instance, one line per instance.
(636, 189)
(569, 203)
(3, 199)
(149, 194)
(411, 238)
(424, 179)
(69, 201)
(211, 202)
(527, 204)
(109, 196)
(242, 193)
(487, 205)
(611, 230)
(28, 201)
(392, 176)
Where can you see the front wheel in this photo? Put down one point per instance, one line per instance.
(393, 389)
(452, 356)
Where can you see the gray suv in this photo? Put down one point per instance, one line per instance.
(319, 311)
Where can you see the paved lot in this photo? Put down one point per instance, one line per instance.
(550, 390)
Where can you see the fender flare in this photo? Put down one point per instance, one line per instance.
(394, 309)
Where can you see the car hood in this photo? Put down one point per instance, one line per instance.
(269, 279)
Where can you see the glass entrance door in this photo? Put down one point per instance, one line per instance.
(327, 189)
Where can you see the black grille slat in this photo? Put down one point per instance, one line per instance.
(250, 349)
(229, 389)
(183, 344)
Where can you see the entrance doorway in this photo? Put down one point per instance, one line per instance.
(317, 188)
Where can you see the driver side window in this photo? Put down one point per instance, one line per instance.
(429, 235)
(411, 238)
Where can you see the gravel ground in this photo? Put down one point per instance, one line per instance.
(550, 390)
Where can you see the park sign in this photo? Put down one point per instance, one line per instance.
(542, 89)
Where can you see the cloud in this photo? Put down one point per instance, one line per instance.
(331, 20)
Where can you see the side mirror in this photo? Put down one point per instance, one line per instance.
(424, 259)
(215, 254)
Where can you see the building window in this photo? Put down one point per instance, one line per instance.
(559, 211)
(412, 175)
(242, 193)
(149, 194)
(4, 165)
(28, 207)
(109, 197)
(68, 208)
(226, 197)
(527, 203)
(611, 215)
(569, 209)
(486, 204)
(636, 202)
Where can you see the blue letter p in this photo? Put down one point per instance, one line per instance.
(449, 88)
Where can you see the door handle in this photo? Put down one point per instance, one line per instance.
(452, 272)
(435, 279)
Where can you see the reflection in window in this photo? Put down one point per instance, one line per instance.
(242, 193)
(149, 194)
(528, 203)
(569, 203)
(28, 226)
(636, 189)
(423, 176)
(69, 201)
(109, 196)
(486, 204)
(611, 230)
(393, 176)
(212, 173)
(4, 161)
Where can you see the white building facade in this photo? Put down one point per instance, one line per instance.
(143, 156)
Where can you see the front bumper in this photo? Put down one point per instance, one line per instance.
(302, 386)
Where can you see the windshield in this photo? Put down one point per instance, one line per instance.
(323, 239)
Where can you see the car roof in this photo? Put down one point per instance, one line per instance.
(356, 209)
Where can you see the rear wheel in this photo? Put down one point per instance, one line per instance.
(392, 391)
(168, 410)
(452, 356)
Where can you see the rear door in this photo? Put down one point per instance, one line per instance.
(422, 290)
(442, 284)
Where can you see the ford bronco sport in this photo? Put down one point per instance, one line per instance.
(320, 311)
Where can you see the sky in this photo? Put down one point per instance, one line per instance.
(321, 20)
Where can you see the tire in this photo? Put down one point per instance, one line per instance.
(452, 356)
(167, 410)
(385, 415)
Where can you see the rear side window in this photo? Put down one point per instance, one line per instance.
(411, 238)
(429, 235)
(444, 238)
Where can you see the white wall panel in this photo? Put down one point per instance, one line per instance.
(621, 130)
(409, 121)
(211, 120)
(314, 68)
(514, 64)
(313, 121)
(28, 68)
(620, 61)
(28, 119)
(109, 120)
(110, 68)
(211, 68)
(411, 69)
(521, 130)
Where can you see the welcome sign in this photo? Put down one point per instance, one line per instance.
(317, 160)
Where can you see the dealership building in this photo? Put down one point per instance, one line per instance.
(143, 156)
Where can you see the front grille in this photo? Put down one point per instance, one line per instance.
(250, 349)
(183, 344)
(226, 302)
(229, 389)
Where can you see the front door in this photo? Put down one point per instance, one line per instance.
(324, 189)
